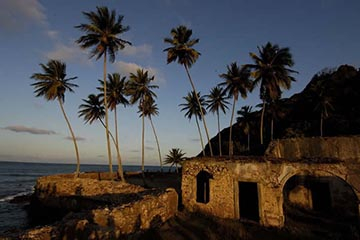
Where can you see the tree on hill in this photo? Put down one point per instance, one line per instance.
(192, 108)
(245, 122)
(102, 35)
(216, 101)
(52, 85)
(236, 82)
(271, 70)
(182, 51)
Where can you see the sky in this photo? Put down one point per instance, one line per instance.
(320, 34)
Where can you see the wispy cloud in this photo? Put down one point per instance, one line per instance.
(15, 15)
(77, 138)
(30, 130)
(150, 148)
(125, 68)
(52, 34)
(68, 53)
(140, 51)
(194, 139)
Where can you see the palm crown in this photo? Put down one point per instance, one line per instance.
(139, 87)
(271, 70)
(191, 105)
(52, 83)
(182, 46)
(115, 90)
(148, 108)
(92, 109)
(217, 100)
(102, 32)
(175, 156)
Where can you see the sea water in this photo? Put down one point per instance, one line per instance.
(18, 179)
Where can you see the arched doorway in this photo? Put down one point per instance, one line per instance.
(320, 203)
(203, 187)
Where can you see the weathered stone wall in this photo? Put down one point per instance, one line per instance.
(270, 175)
(344, 148)
(104, 208)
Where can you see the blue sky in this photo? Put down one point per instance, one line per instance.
(320, 34)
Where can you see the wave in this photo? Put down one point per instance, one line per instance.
(11, 197)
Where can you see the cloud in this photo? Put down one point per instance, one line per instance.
(134, 151)
(52, 34)
(68, 53)
(77, 138)
(36, 131)
(149, 148)
(194, 139)
(17, 14)
(141, 51)
(125, 68)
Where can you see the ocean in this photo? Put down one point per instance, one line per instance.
(18, 179)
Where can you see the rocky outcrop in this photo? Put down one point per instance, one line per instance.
(103, 209)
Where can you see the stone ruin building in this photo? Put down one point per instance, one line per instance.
(319, 174)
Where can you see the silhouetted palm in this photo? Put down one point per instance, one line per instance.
(182, 51)
(323, 106)
(139, 88)
(102, 35)
(116, 95)
(217, 100)
(52, 85)
(149, 109)
(192, 108)
(236, 81)
(271, 70)
(245, 122)
(175, 157)
(92, 110)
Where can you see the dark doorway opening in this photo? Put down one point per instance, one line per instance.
(203, 187)
(321, 197)
(249, 201)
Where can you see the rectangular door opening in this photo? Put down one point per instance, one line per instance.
(249, 201)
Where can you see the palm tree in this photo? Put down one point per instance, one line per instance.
(115, 96)
(52, 85)
(324, 106)
(192, 107)
(182, 50)
(102, 35)
(216, 101)
(175, 157)
(92, 110)
(236, 81)
(245, 122)
(149, 109)
(139, 89)
(271, 69)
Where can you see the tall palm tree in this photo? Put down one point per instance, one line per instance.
(182, 51)
(217, 100)
(175, 157)
(139, 89)
(115, 96)
(245, 122)
(52, 85)
(192, 108)
(323, 106)
(92, 110)
(102, 35)
(271, 70)
(149, 109)
(236, 81)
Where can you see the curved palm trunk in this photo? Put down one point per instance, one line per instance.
(201, 140)
(116, 142)
(262, 124)
(219, 132)
(120, 170)
(107, 121)
(201, 111)
(77, 173)
(157, 143)
(231, 148)
(143, 147)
